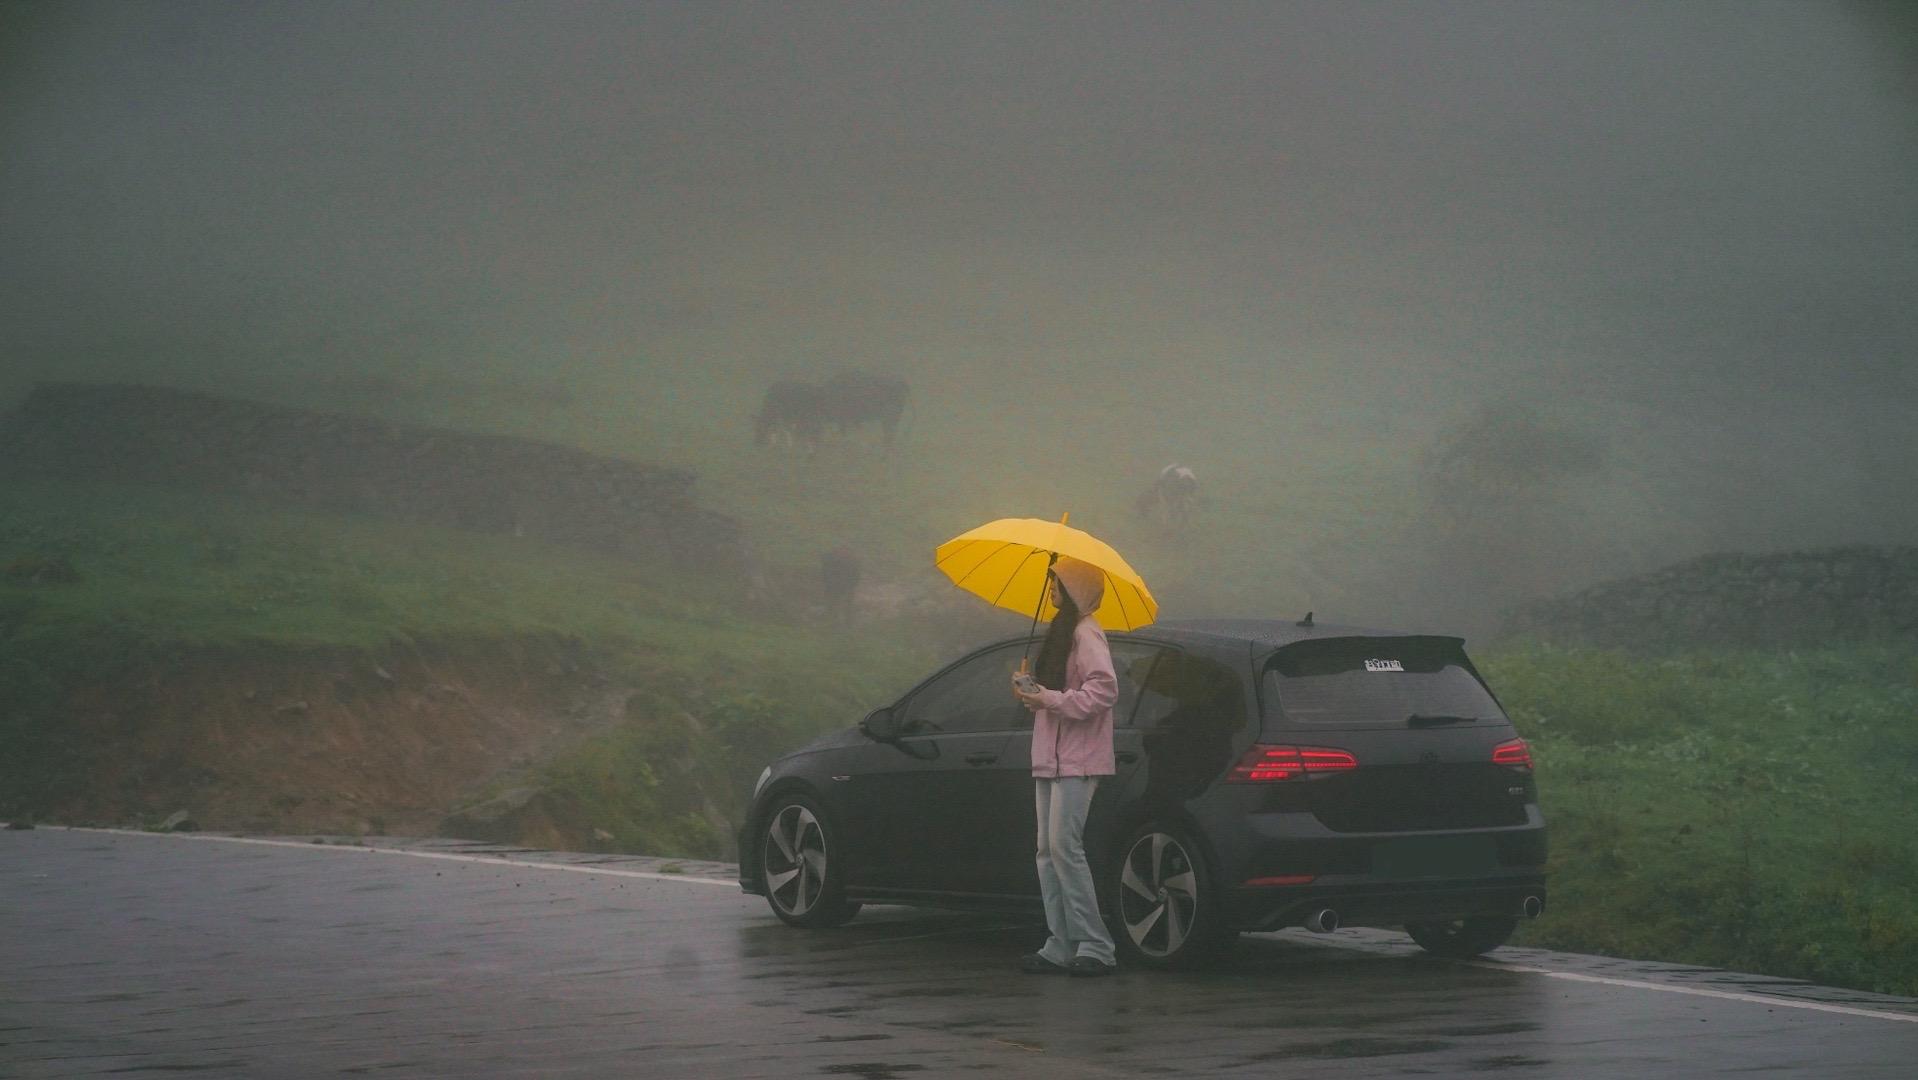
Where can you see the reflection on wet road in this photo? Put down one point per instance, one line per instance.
(132, 953)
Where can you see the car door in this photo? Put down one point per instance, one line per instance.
(1009, 837)
(931, 800)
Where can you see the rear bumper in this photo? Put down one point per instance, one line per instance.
(1378, 879)
(1450, 873)
(1388, 904)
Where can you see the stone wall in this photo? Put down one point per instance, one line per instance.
(483, 483)
(1785, 600)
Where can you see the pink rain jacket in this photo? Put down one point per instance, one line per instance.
(1072, 730)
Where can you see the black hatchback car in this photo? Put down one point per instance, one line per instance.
(1270, 774)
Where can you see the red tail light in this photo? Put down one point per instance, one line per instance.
(1513, 752)
(1265, 764)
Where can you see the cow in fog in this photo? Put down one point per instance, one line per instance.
(800, 414)
(855, 399)
(790, 415)
(1171, 496)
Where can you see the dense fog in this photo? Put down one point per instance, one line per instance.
(1440, 301)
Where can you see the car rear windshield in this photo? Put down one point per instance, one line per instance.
(1373, 682)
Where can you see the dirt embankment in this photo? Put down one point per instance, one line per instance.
(346, 742)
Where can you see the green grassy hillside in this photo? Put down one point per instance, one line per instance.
(1743, 810)
(151, 577)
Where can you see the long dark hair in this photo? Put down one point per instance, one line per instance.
(1050, 669)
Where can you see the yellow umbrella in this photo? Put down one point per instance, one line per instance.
(1005, 562)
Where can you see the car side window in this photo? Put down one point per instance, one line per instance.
(1182, 690)
(1132, 662)
(975, 696)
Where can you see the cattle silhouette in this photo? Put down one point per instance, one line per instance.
(800, 414)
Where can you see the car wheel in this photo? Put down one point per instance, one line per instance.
(799, 866)
(1462, 939)
(1163, 901)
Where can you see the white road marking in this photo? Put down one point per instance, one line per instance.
(1332, 941)
(1697, 991)
(491, 860)
(1489, 965)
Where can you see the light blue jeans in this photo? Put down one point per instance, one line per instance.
(1065, 880)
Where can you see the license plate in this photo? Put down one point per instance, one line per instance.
(1434, 856)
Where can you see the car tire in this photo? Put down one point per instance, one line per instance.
(800, 866)
(1462, 939)
(1163, 904)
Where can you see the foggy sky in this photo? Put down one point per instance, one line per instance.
(1699, 218)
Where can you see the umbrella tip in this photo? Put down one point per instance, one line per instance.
(1064, 516)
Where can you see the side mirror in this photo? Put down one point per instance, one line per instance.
(878, 725)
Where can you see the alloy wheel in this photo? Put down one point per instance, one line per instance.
(1158, 895)
(794, 858)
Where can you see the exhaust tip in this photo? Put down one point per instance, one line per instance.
(1532, 906)
(1322, 921)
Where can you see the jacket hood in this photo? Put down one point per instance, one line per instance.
(1084, 582)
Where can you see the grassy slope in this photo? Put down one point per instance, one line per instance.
(1742, 810)
(163, 574)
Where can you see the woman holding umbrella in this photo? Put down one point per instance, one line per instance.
(1070, 694)
(1020, 564)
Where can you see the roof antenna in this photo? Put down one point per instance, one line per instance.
(1307, 621)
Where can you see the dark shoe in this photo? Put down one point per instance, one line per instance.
(1034, 964)
(1087, 967)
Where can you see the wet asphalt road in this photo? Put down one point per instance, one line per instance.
(129, 954)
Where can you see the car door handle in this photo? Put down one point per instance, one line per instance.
(1126, 757)
(981, 759)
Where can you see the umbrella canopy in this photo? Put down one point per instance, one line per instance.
(1005, 562)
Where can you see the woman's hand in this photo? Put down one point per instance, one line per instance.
(1030, 699)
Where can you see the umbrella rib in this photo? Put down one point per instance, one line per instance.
(961, 580)
(1146, 616)
(1015, 573)
(960, 550)
(1112, 589)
